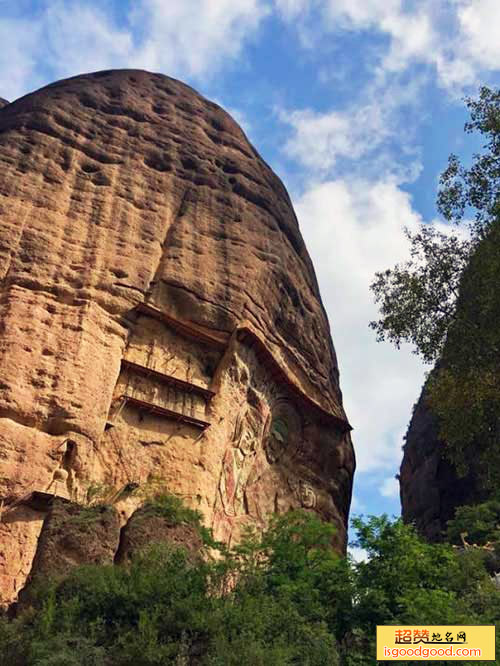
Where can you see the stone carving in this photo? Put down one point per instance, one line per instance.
(152, 390)
(267, 438)
(62, 482)
(283, 433)
(307, 496)
(239, 459)
(304, 492)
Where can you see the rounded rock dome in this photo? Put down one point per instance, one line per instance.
(159, 311)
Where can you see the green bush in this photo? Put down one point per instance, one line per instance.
(480, 523)
(281, 598)
(407, 581)
(173, 509)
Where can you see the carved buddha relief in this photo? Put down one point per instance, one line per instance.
(303, 492)
(240, 457)
(284, 432)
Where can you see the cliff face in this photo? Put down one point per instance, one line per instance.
(430, 487)
(160, 318)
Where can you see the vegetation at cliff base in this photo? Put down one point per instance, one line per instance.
(281, 598)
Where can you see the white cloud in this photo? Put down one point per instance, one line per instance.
(480, 29)
(290, 9)
(81, 38)
(390, 487)
(184, 38)
(413, 37)
(358, 554)
(360, 14)
(458, 38)
(320, 139)
(361, 138)
(353, 229)
(194, 36)
(353, 210)
(17, 56)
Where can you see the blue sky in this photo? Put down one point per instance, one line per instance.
(355, 103)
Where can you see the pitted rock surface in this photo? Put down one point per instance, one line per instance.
(430, 486)
(160, 316)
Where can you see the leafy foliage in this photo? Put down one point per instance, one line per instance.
(98, 493)
(417, 299)
(480, 523)
(465, 392)
(478, 187)
(281, 598)
(173, 509)
(446, 301)
(408, 581)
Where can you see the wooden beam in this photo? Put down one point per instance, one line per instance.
(185, 328)
(168, 379)
(167, 413)
(245, 333)
(37, 500)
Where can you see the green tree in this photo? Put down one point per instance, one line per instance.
(418, 299)
(446, 302)
(407, 581)
(476, 188)
(479, 523)
(273, 601)
(281, 598)
(465, 390)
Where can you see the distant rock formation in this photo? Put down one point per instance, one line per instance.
(430, 487)
(160, 318)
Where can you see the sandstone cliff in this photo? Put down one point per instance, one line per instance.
(160, 318)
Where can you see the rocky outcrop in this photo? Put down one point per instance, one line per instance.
(146, 527)
(160, 317)
(72, 535)
(3, 102)
(431, 489)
